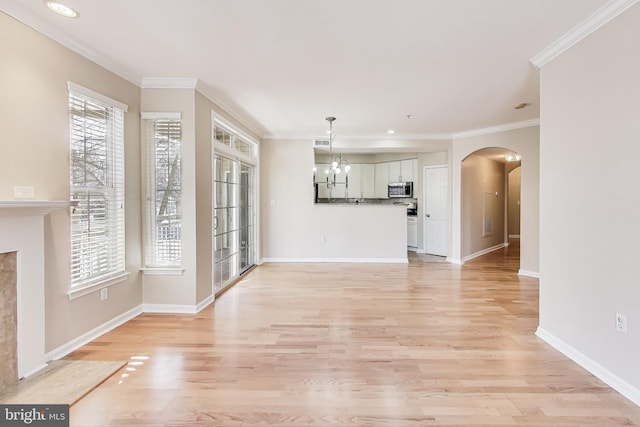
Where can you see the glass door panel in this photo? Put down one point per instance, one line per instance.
(233, 222)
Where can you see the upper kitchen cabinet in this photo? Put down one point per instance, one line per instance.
(354, 189)
(381, 180)
(403, 170)
(367, 175)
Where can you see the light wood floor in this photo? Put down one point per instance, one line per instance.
(352, 345)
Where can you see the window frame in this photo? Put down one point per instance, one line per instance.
(113, 188)
(152, 265)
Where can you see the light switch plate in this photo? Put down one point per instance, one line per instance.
(24, 192)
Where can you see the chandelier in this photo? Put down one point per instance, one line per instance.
(336, 167)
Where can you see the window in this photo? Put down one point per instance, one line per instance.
(97, 185)
(233, 139)
(164, 213)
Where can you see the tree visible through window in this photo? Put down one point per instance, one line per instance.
(164, 238)
(97, 184)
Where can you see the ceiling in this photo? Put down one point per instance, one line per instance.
(421, 67)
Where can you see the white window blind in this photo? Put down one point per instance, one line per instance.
(97, 184)
(164, 193)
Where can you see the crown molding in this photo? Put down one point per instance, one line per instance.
(496, 129)
(169, 83)
(396, 137)
(421, 137)
(593, 22)
(31, 19)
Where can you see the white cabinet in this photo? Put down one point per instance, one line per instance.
(403, 170)
(412, 232)
(381, 180)
(354, 190)
(395, 174)
(321, 177)
(367, 179)
(408, 170)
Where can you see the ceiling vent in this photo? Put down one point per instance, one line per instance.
(321, 143)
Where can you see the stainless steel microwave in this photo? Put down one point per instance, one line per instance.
(400, 190)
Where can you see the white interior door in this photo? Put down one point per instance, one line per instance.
(436, 212)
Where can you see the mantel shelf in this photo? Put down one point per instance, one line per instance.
(32, 207)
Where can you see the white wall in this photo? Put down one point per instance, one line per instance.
(526, 142)
(590, 201)
(293, 226)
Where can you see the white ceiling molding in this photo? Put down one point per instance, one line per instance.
(406, 137)
(41, 25)
(496, 129)
(596, 20)
(421, 137)
(169, 83)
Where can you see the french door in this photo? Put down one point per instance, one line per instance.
(233, 221)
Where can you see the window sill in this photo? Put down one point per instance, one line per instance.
(162, 271)
(94, 287)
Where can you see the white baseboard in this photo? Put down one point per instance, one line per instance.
(528, 273)
(621, 386)
(36, 370)
(483, 252)
(87, 337)
(456, 261)
(340, 260)
(260, 261)
(205, 303)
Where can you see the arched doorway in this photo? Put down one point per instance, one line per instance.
(486, 207)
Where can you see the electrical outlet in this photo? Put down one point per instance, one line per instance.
(104, 294)
(621, 323)
(323, 239)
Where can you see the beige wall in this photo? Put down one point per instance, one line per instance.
(483, 188)
(178, 290)
(590, 199)
(33, 84)
(526, 142)
(513, 202)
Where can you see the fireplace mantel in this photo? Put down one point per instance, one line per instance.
(22, 231)
(32, 207)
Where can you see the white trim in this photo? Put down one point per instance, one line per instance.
(41, 25)
(93, 334)
(339, 260)
(205, 303)
(169, 83)
(456, 261)
(496, 129)
(177, 308)
(436, 137)
(370, 137)
(260, 261)
(593, 22)
(620, 385)
(89, 93)
(162, 271)
(160, 116)
(528, 273)
(514, 236)
(81, 291)
(483, 252)
(35, 371)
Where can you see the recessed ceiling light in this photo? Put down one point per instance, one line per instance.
(521, 105)
(61, 9)
(391, 131)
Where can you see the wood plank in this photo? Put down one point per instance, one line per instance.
(350, 345)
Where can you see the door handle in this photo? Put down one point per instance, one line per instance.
(215, 222)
